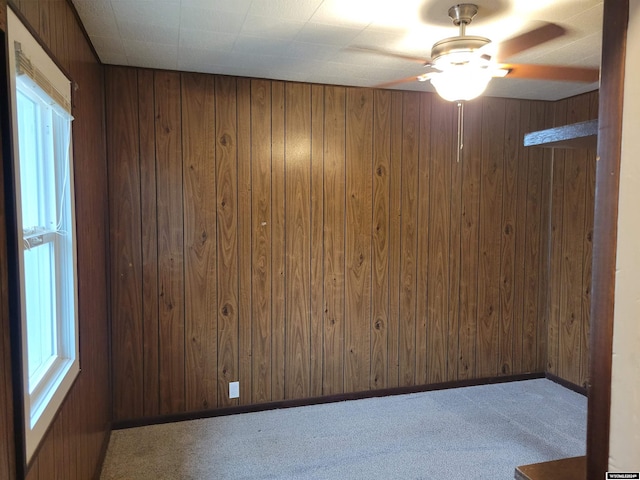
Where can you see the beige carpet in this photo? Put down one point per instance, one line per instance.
(479, 432)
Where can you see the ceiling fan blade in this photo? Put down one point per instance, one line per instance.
(553, 72)
(387, 53)
(397, 82)
(512, 46)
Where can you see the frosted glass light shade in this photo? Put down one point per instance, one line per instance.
(461, 82)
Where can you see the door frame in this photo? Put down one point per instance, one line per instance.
(605, 235)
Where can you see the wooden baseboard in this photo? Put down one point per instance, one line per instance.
(566, 384)
(140, 422)
(574, 468)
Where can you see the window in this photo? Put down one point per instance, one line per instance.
(46, 224)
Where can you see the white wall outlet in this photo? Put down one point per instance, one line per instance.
(234, 389)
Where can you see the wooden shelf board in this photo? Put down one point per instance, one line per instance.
(574, 468)
(576, 135)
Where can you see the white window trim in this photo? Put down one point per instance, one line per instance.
(48, 396)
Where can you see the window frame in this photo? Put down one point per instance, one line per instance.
(40, 405)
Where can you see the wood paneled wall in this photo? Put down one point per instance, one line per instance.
(7, 446)
(3, 16)
(73, 446)
(311, 240)
(572, 216)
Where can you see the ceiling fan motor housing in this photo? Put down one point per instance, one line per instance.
(456, 50)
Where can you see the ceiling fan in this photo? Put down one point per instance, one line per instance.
(461, 67)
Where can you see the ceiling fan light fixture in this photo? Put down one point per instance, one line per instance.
(461, 82)
(464, 71)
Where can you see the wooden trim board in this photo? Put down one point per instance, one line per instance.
(574, 468)
(576, 135)
(615, 21)
(220, 412)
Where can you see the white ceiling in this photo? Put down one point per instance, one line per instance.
(306, 40)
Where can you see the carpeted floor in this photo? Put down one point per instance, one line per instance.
(479, 432)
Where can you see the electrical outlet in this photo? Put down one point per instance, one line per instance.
(234, 389)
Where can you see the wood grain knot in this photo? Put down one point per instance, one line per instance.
(379, 324)
(508, 229)
(380, 171)
(226, 310)
(225, 140)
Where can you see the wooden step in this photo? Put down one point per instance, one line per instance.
(574, 468)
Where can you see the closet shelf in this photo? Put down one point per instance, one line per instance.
(576, 135)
